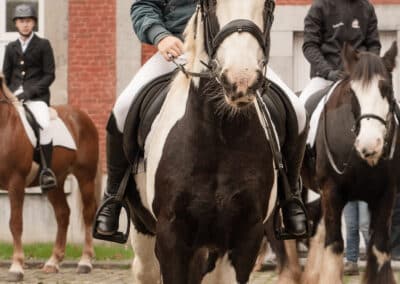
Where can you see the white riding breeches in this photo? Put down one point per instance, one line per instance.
(316, 84)
(157, 66)
(40, 111)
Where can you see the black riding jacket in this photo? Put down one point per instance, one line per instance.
(330, 23)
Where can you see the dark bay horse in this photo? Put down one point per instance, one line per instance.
(209, 181)
(18, 171)
(357, 158)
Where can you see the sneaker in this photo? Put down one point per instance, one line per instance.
(351, 268)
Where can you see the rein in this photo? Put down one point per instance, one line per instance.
(213, 36)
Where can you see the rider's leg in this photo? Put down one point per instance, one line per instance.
(316, 84)
(108, 217)
(294, 217)
(117, 164)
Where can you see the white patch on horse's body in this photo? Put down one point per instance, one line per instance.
(223, 273)
(145, 266)
(140, 179)
(274, 191)
(172, 110)
(372, 132)
(381, 257)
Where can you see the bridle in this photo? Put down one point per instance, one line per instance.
(214, 36)
(391, 125)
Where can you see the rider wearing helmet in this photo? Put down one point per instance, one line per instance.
(161, 23)
(29, 70)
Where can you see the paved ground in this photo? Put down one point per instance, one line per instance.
(113, 275)
(119, 272)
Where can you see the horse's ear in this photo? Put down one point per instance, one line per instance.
(349, 56)
(389, 58)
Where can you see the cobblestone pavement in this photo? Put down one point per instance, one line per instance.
(115, 275)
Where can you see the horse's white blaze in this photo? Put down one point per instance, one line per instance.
(369, 142)
(145, 266)
(332, 267)
(172, 110)
(224, 273)
(381, 257)
(240, 53)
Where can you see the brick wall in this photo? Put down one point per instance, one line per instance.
(92, 60)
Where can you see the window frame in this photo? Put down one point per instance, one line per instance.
(10, 36)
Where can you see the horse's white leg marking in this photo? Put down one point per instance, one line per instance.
(291, 272)
(173, 109)
(381, 257)
(224, 273)
(145, 267)
(52, 265)
(332, 267)
(16, 268)
(315, 255)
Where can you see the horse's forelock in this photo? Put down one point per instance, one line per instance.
(367, 67)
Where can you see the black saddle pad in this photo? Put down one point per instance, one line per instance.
(149, 100)
(142, 113)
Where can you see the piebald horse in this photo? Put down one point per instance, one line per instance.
(357, 158)
(210, 181)
(17, 171)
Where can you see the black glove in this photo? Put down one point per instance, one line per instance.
(335, 75)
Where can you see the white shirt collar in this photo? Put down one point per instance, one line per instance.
(24, 44)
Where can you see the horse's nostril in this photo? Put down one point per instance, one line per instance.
(379, 142)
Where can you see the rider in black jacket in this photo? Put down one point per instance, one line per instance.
(327, 26)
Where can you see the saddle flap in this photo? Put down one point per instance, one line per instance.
(143, 111)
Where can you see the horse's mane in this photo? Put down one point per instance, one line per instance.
(367, 67)
(5, 90)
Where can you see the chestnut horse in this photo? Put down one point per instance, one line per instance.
(357, 158)
(16, 172)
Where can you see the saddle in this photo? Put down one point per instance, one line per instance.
(149, 100)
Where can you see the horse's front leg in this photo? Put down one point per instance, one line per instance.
(16, 194)
(173, 254)
(379, 269)
(332, 260)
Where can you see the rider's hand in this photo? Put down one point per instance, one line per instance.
(170, 46)
(335, 75)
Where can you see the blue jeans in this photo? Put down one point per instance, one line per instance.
(356, 216)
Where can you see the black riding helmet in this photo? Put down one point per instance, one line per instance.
(24, 11)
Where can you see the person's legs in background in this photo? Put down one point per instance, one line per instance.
(352, 238)
(363, 221)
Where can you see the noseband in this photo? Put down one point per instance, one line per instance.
(391, 126)
(214, 36)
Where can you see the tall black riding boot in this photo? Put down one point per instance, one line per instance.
(117, 164)
(47, 178)
(293, 210)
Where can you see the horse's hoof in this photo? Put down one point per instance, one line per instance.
(50, 269)
(15, 276)
(83, 269)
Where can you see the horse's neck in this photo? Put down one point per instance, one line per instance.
(7, 113)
